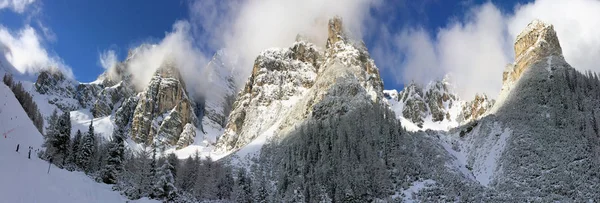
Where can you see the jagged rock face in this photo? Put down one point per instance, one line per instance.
(415, 107)
(335, 32)
(288, 86)
(221, 92)
(342, 51)
(108, 98)
(163, 109)
(187, 136)
(49, 81)
(435, 101)
(476, 109)
(436, 104)
(124, 115)
(60, 90)
(279, 77)
(537, 41)
(86, 94)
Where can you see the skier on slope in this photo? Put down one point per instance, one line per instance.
(17, 147)
(29, 155)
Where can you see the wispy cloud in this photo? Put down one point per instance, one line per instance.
(108, 59)
(248, 27)
(476, 48)
(18, 6)
(24, 51)
(178, 47)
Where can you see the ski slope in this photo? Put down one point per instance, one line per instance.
(27, 180)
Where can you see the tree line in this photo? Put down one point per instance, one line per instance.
(26, 101)
(144, 172)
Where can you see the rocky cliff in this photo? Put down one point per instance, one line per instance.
(163, 109)
(436, 106)
(279, 78)
(541, 143)
(289, 86)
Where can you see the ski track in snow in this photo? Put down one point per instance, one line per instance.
(27, 180)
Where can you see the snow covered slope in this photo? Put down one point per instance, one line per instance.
(27, 180)
(541, 140)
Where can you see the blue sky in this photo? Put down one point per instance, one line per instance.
(85, 28)
(81, 30)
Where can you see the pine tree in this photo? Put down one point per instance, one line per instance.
(87, 147)
(64, 138)
(187, 174)
(75, 147)
(57, 138)
(165, 182)
(172, 158)
(51, 135)
(153, 170)
(242, 191)
(114, 162)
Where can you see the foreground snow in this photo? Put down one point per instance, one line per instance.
(27, 180)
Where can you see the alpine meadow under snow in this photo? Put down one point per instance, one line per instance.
(311, 122)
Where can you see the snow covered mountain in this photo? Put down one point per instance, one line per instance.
(435, 106)
(289, 86)
(313, 124)
(540, 141)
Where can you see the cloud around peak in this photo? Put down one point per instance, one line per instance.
(476, 48)
(24, 50)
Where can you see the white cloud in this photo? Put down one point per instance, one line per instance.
(177, 46)
(246, 28)
(24, 51)
(15, 5)
(476, 49)
(474, 52)
(107, 59)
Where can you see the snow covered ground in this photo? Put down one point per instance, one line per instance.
(28, 180)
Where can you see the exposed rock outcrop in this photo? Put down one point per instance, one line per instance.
(436, 105)
(475, 109)
(289, 86)
(279, 78)
(163, 108)
(187, 136)
(536, 42)
(221, 90)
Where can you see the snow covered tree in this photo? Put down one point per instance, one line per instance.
(114, 162)
(187, 175)
(172, 158)
(87, 149)
(57, 139)
(242, 190)
(74, 151)
(51, 135)
(165, 182)
(64, 138)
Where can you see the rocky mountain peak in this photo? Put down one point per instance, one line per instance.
(537, 41)
(291, 85)
(48, 80)
(163, 109)
(335, 31)
(539, 36)
(436, 106)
